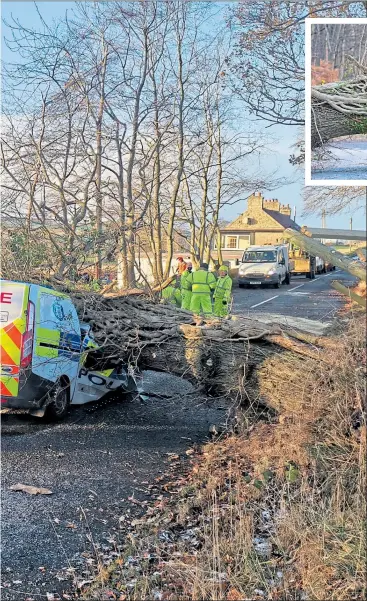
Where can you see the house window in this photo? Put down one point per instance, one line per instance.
(234, 242)
(231, 242)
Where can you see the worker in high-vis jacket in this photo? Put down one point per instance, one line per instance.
(172, 293)
(222, 293)
(186, 288)
(202, 284)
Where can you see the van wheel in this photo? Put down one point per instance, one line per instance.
(278, 284)
(241, 285)
(59, 401)
(287, 278)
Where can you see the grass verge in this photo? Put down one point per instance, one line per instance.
(276, 511)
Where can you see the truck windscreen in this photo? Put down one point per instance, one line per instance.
(259, 256)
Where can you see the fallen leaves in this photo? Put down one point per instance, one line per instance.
(31, 490)
(234, 595)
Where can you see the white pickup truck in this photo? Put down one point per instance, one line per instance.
(268, 265)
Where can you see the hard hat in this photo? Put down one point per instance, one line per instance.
(223, 268)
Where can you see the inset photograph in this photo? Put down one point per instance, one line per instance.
(336, 102)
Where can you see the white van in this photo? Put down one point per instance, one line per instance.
(268, 264)
(43, 353)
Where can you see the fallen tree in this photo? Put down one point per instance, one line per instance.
(218, 355)
(338, 109)
(304, 240)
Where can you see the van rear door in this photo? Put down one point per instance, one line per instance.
(13, 322)
(57, 346)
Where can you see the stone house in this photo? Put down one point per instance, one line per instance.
(262, 223)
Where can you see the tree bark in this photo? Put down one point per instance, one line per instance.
(327, 123)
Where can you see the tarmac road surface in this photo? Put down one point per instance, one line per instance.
(312, 299)
(104, 454)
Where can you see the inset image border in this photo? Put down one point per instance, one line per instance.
(321, 182)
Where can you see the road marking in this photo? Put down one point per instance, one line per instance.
(295, 288)
(265, 301)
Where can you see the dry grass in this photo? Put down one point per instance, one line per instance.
(279, 511)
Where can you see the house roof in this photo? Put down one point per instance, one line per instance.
(283, 220)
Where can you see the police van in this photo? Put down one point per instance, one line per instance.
(44, 354)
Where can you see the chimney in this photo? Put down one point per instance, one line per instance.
(255, 204)
(285, 210)
(272, 205)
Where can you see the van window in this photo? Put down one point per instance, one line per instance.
(259, 256)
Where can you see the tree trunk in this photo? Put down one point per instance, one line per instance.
(315, 248)
(218, 355)
(155, 208)
(180, 165)
(99, 123)
(327, 123)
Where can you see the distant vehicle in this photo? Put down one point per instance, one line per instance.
(320, 265)
(303, 263)
(329, 267)
(268, 265)
(107, 278)
(44, 354)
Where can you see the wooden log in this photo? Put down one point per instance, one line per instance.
(304, 240)
(348, 292)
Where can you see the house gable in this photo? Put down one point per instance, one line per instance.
(262, 215)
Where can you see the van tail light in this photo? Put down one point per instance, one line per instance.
(27, 341)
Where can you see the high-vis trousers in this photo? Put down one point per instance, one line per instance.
(186, 299)
(201, 304)
(220, 310)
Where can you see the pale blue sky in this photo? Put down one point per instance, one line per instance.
(276, 161)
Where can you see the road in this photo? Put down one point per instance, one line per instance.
(103, 456)
(312, 299)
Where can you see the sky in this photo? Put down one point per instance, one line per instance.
(276, 158)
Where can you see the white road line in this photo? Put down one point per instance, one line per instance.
(295, 288)
(265, 301)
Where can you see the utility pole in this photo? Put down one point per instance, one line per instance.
(323, 222)
(294, 213)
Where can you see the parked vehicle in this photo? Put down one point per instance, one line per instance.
(44, 356)
(320, 265)
(303, 263)
(268, 264)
